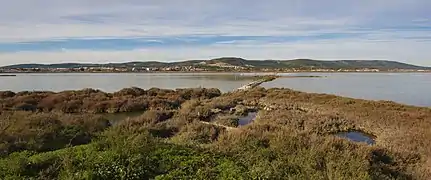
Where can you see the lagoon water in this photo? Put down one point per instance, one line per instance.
(111, 82)
(407, 88)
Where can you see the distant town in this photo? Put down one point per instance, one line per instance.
(189, 69)
(222, 65)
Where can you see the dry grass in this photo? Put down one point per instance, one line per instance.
(95, 101)
(401, 131)
(292, 136)
(398, 128)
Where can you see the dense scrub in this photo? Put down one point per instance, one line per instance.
(292, 138)
(46, 131)
(95, 101)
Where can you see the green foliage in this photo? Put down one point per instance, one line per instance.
(46, 131)
(291, 137)
(124, 156)
(198, 133)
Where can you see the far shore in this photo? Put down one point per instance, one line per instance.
(209, 72)
(7, 75)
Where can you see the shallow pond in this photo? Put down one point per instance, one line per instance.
(357, 136)
(251, 116)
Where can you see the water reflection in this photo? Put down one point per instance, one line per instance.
(222, 77)
(411, 88)
(251, 116)
(406, 88)
(357, 136)
(111, 82)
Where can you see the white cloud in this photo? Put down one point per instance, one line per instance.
(406, 51)
(388, 27)
(46, 19)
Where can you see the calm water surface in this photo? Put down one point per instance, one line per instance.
(111, 82)
(251, 116)
(357, 136)
(407, 88)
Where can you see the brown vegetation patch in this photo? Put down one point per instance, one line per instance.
(96, 101)
(292, 136)
(46, 131)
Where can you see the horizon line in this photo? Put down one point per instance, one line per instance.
(185, 60)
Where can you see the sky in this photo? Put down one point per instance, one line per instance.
(101, 31)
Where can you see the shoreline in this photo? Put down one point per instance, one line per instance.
(262, 79)
(7, 75)
(222, 93)
(215, 72)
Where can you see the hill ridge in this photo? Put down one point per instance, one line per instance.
(227, 62)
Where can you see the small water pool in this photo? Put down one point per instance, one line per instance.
(357, 136)
(251, 116)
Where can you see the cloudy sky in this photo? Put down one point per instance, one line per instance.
(51, 31)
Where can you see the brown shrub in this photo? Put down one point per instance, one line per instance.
(197, 132)
(227, 120)
(133, 91)
(6, 94)
(47, 104)
(96, 101)
(193, 93)
(46, 131)
(291, 137)
(25, 107)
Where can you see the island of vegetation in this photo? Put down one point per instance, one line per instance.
(205, 134)
(225, 64)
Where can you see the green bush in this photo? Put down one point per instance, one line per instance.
(181, 136)
(47, 131)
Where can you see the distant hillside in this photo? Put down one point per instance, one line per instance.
(345, 64)
(126, 64)
(351, 64)
(239, 62)
(79, 65)
(309, 63)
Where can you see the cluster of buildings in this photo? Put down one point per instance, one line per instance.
(218, 67)
(343, 70)
(226, 66)
(103, 69)
(346, 70)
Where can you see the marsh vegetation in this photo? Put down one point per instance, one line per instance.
(197, 134)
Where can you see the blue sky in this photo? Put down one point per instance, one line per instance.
(51, 31)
